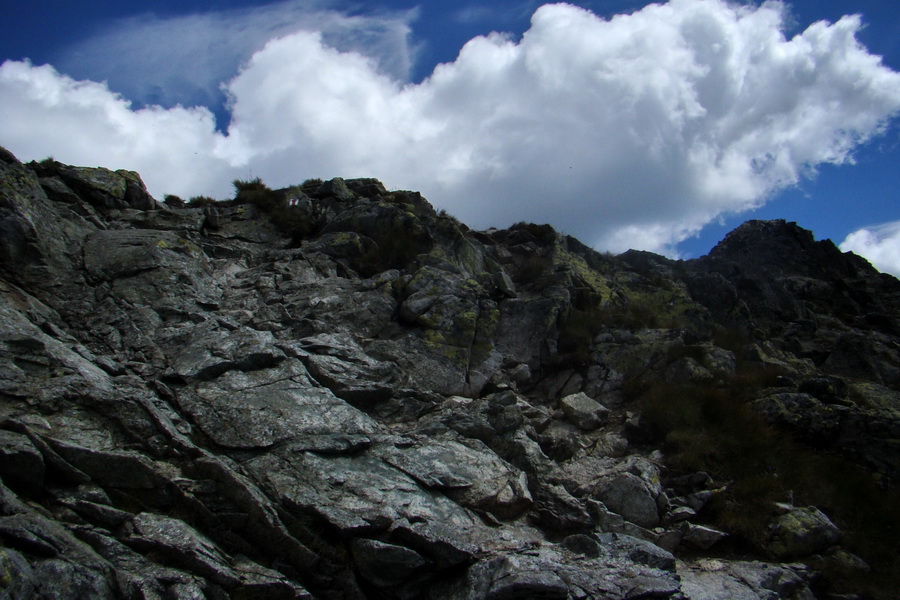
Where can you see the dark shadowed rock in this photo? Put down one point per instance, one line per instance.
(386, 565)
(21, 464)
(800, 532)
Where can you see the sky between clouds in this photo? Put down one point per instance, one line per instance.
(628, 132)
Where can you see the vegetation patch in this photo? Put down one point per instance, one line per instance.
(713, 429)
(295, 220)
(200, 201)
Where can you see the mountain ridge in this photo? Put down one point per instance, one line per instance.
(335, 391)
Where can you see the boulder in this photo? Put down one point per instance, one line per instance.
(801, 531)
(701, 536)
(104, 188)
(338, 361)
(182, 545)
(638, 550)
(386, 565)
(471, 474)
(631, 497)
(583, 411)
(124, 253)
(210, 351)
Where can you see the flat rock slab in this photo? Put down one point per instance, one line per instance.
(209, 352)
(718, 579)
(362, 494)
(471, 473)
(122, 253)
(261, 408)
(546, 574)
(182, 544)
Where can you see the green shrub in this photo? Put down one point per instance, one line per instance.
(296, 221)
(713, 429)
(581, 325)
(200, 201)
(173, 201)
(248, 185)
(544, 235)
(254, 191)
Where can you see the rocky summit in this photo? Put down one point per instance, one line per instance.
(333, 391)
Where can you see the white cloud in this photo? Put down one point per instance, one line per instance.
(43, 113)
(879, 244)
(629, 132)
(185, 59)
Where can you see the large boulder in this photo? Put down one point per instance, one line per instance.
(801, 531)
(583, 411)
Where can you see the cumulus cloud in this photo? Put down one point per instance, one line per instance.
(184, 59)
(631, 132)
(879, 244)
(43, 113)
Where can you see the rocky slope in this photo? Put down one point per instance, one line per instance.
(333, 391)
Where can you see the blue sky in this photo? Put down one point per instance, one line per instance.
(659, 130)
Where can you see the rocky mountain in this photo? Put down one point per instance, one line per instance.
(334, 391)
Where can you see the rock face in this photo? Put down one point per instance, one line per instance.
(337, 392)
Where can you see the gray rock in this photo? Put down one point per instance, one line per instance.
(583, 411)
(363, 494)
(471, 474)
(508, 578)
(632, 498)
(638, 550)
(800, 532)
(337, 361)
(100, 187)
(717, 579)
(260, 583)
(119, 469)
(556, 509)
(261, 408)
(208, 352)
(56, 578)
(437, 540)
(181, 544)
(352, 395)
(336, 187)
(701, 536)
(582, 544)
(385, 565)
(125, 253)
(560, 440)
(19, 574)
